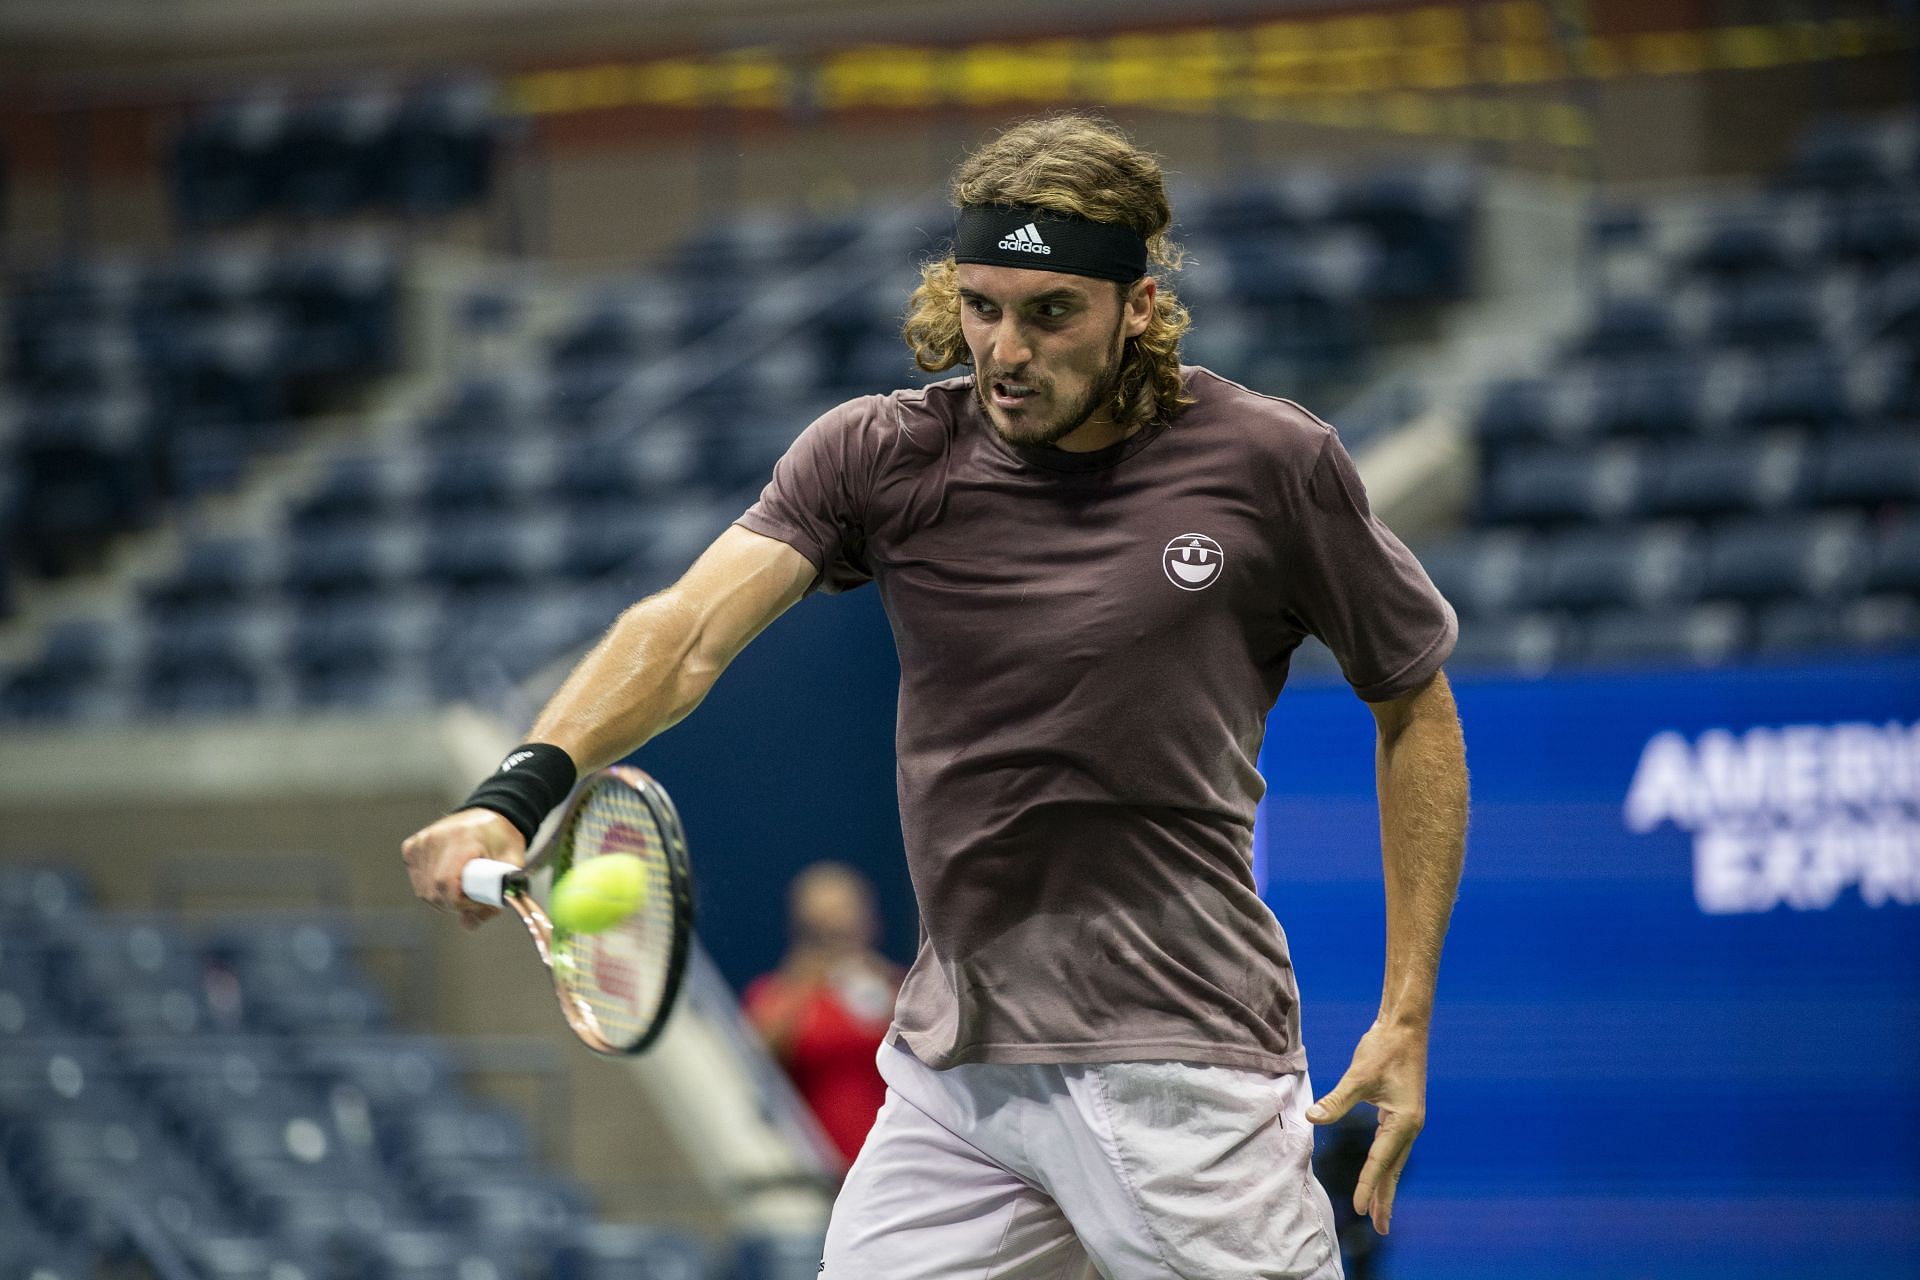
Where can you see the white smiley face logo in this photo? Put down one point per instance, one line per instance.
(1193, 561)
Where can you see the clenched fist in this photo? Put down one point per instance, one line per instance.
(436, 854)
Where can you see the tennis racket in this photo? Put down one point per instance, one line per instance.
(616, 987)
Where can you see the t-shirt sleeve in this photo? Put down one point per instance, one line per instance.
(1355, 585)
(816, 501)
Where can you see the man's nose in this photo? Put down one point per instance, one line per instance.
(1010, 349)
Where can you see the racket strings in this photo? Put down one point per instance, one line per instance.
(618, 978)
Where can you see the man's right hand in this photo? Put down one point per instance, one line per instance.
(436, 854)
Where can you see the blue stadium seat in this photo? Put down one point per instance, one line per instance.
(523, 1204)
(1656, 396)
(335, 154)
(1839, 157)
(488, 406)
(1867, 625)
(442, 1255)
(393, 1073)
(768, 1256)
(1800, 387)
(198, 1080)
(225, 161)
(1791, 555)
(480, 482)
(252, 1257)
(430, 1140)
(1483, 573)
(1554, 487)
(1766, 312)
(1627, 326)
(39, 897)
(1708, 478)
(216, 572)
(351, 560)
(478, 554)
(1704, 635)
(1739, 251)
(1652, 566)
(340, 308)
(443, 148)
(1871, 468)
(355, 489)
(620, 1251)
(1896, 558)
(1873, 234)
(1524, 644)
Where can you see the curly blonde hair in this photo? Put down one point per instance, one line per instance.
(1076, 164)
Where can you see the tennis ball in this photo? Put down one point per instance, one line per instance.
(599, 893)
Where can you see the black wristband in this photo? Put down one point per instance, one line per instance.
(529, 784)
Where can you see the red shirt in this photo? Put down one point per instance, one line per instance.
(830, 1056)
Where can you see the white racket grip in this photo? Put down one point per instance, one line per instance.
(484, 880)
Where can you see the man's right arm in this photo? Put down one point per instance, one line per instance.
(652, 667)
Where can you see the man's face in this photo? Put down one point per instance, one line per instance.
(1047, 348)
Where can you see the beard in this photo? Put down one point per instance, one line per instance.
(1073, 415)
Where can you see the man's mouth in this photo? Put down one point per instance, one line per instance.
(1012, 395)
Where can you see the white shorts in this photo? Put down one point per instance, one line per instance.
(1126, 1171)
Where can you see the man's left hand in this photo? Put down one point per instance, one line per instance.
(1389, 1070)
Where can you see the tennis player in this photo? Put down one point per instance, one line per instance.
(1097, 563)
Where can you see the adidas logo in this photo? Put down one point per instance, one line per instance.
(1027, 240)
(518, 757)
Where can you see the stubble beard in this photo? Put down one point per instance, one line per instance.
(1074, 416)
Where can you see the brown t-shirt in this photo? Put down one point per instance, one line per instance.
(1089, 647)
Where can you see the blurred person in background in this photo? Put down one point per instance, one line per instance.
(825, 1012)
(1097, 563)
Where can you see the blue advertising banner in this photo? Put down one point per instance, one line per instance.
(1679, 1020)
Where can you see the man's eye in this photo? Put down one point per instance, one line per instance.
(1054, 310)
(978, 307)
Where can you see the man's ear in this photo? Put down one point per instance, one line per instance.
(1139, 305)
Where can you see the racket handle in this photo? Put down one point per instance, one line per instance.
(484, 880)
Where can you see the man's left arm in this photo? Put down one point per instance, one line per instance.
(1421, 765)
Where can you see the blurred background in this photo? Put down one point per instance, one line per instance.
(361, 361)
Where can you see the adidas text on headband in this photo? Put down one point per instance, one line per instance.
(1040, 240)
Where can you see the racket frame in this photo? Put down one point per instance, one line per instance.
(515, 893)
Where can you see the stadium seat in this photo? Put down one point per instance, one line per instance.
(1648, 567)
(1769, 312)
(442, 149)
(1523, 644)
(1655, 396)
(618, 1251)
(393, 1073)
(1801, 387)
(225, 166)
(351, 560)
(1705, 635)
(1738, 251)
(1801, 628)
(1875, 235)
(251, 1257)
(1896, 558)
(1707, 478)
(1556, 487)
(217, 572)
(335, 153)
(793, 1256)
(356, 489)
(1519, 411)
(1839, 157)
(1627, 326)
(1871, 468)
(1769, 557)
(1481, 574)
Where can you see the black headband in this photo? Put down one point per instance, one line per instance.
(1014, 235)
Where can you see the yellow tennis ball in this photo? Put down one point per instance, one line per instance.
(599, 893)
